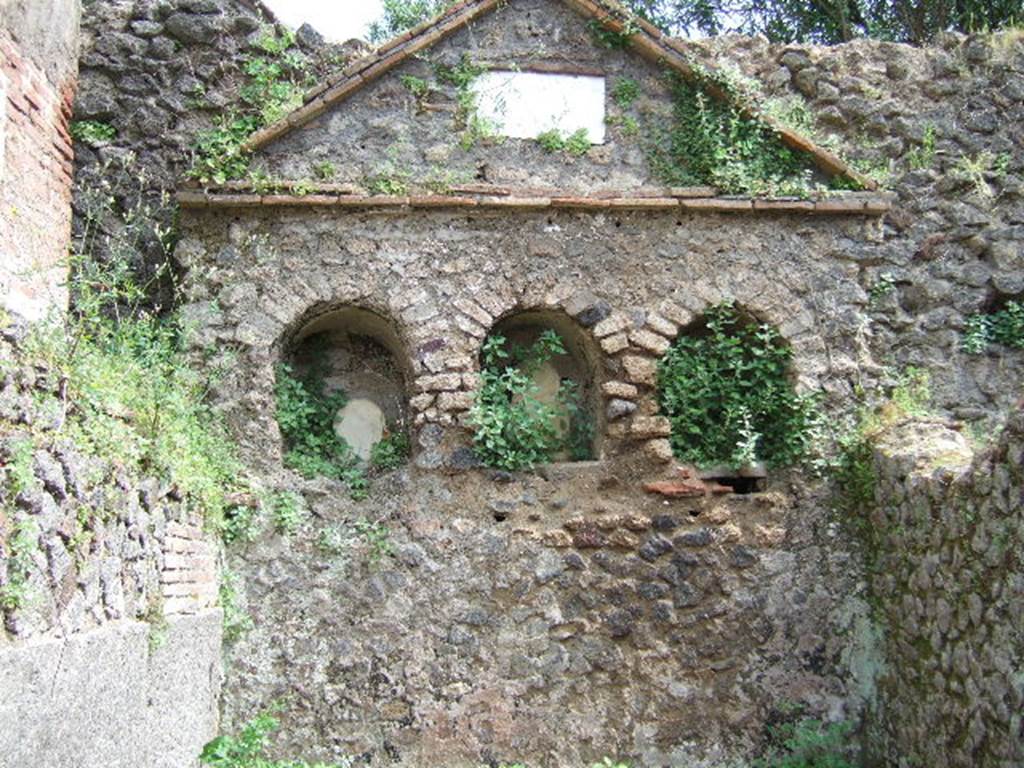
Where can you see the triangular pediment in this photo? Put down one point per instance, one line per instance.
(399, 116)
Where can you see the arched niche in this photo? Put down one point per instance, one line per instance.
(359, 352)
(728, 386)
(575, 370)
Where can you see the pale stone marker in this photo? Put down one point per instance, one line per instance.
(360, 424)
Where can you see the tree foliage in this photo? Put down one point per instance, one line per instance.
(400, 15)
(831, 21)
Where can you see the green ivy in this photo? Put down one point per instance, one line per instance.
(514, 430)
(728, 397)
(1004, 327)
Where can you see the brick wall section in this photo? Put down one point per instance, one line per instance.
(36, 163)
(189, 575)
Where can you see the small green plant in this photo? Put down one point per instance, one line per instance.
(809, 744)
(92, 131)
(390, 452)
(288, 512)
(728, 397)
(305, 415)
(975, 172)
(158, 625)
(551, 141)
(392, 177)
(324, 170)
(468, 121)
(22, 546)
(1005, 327)
(923, 156)
(883, 286)
(240, 522)
(248, 748)
(610, 38)
(237, 623)
(576, 144)
(625, 92)
(376, 537)
(417, 86)
(513, 429)
(627, 124)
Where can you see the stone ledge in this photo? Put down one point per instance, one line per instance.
(857, 204)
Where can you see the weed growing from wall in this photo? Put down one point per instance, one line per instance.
(513, 429)
(92, 131)
(237, 622)
(728, 397)
(711, 142)
(127, 393)
(473, 128)
(1005, 327)
(288, 511)
(576, 144)
(248, 748)
(276, 78)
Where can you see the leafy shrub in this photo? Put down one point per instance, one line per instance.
(514, 430)
(1004, 327)
(248, 748)
(305, 415)
(727, 395)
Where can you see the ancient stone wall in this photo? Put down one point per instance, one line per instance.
(942, 123)
(38, 66)
(517, 609)
(110, 644)
(564, 616)
(948, 586)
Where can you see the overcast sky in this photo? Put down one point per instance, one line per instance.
(337, 20)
